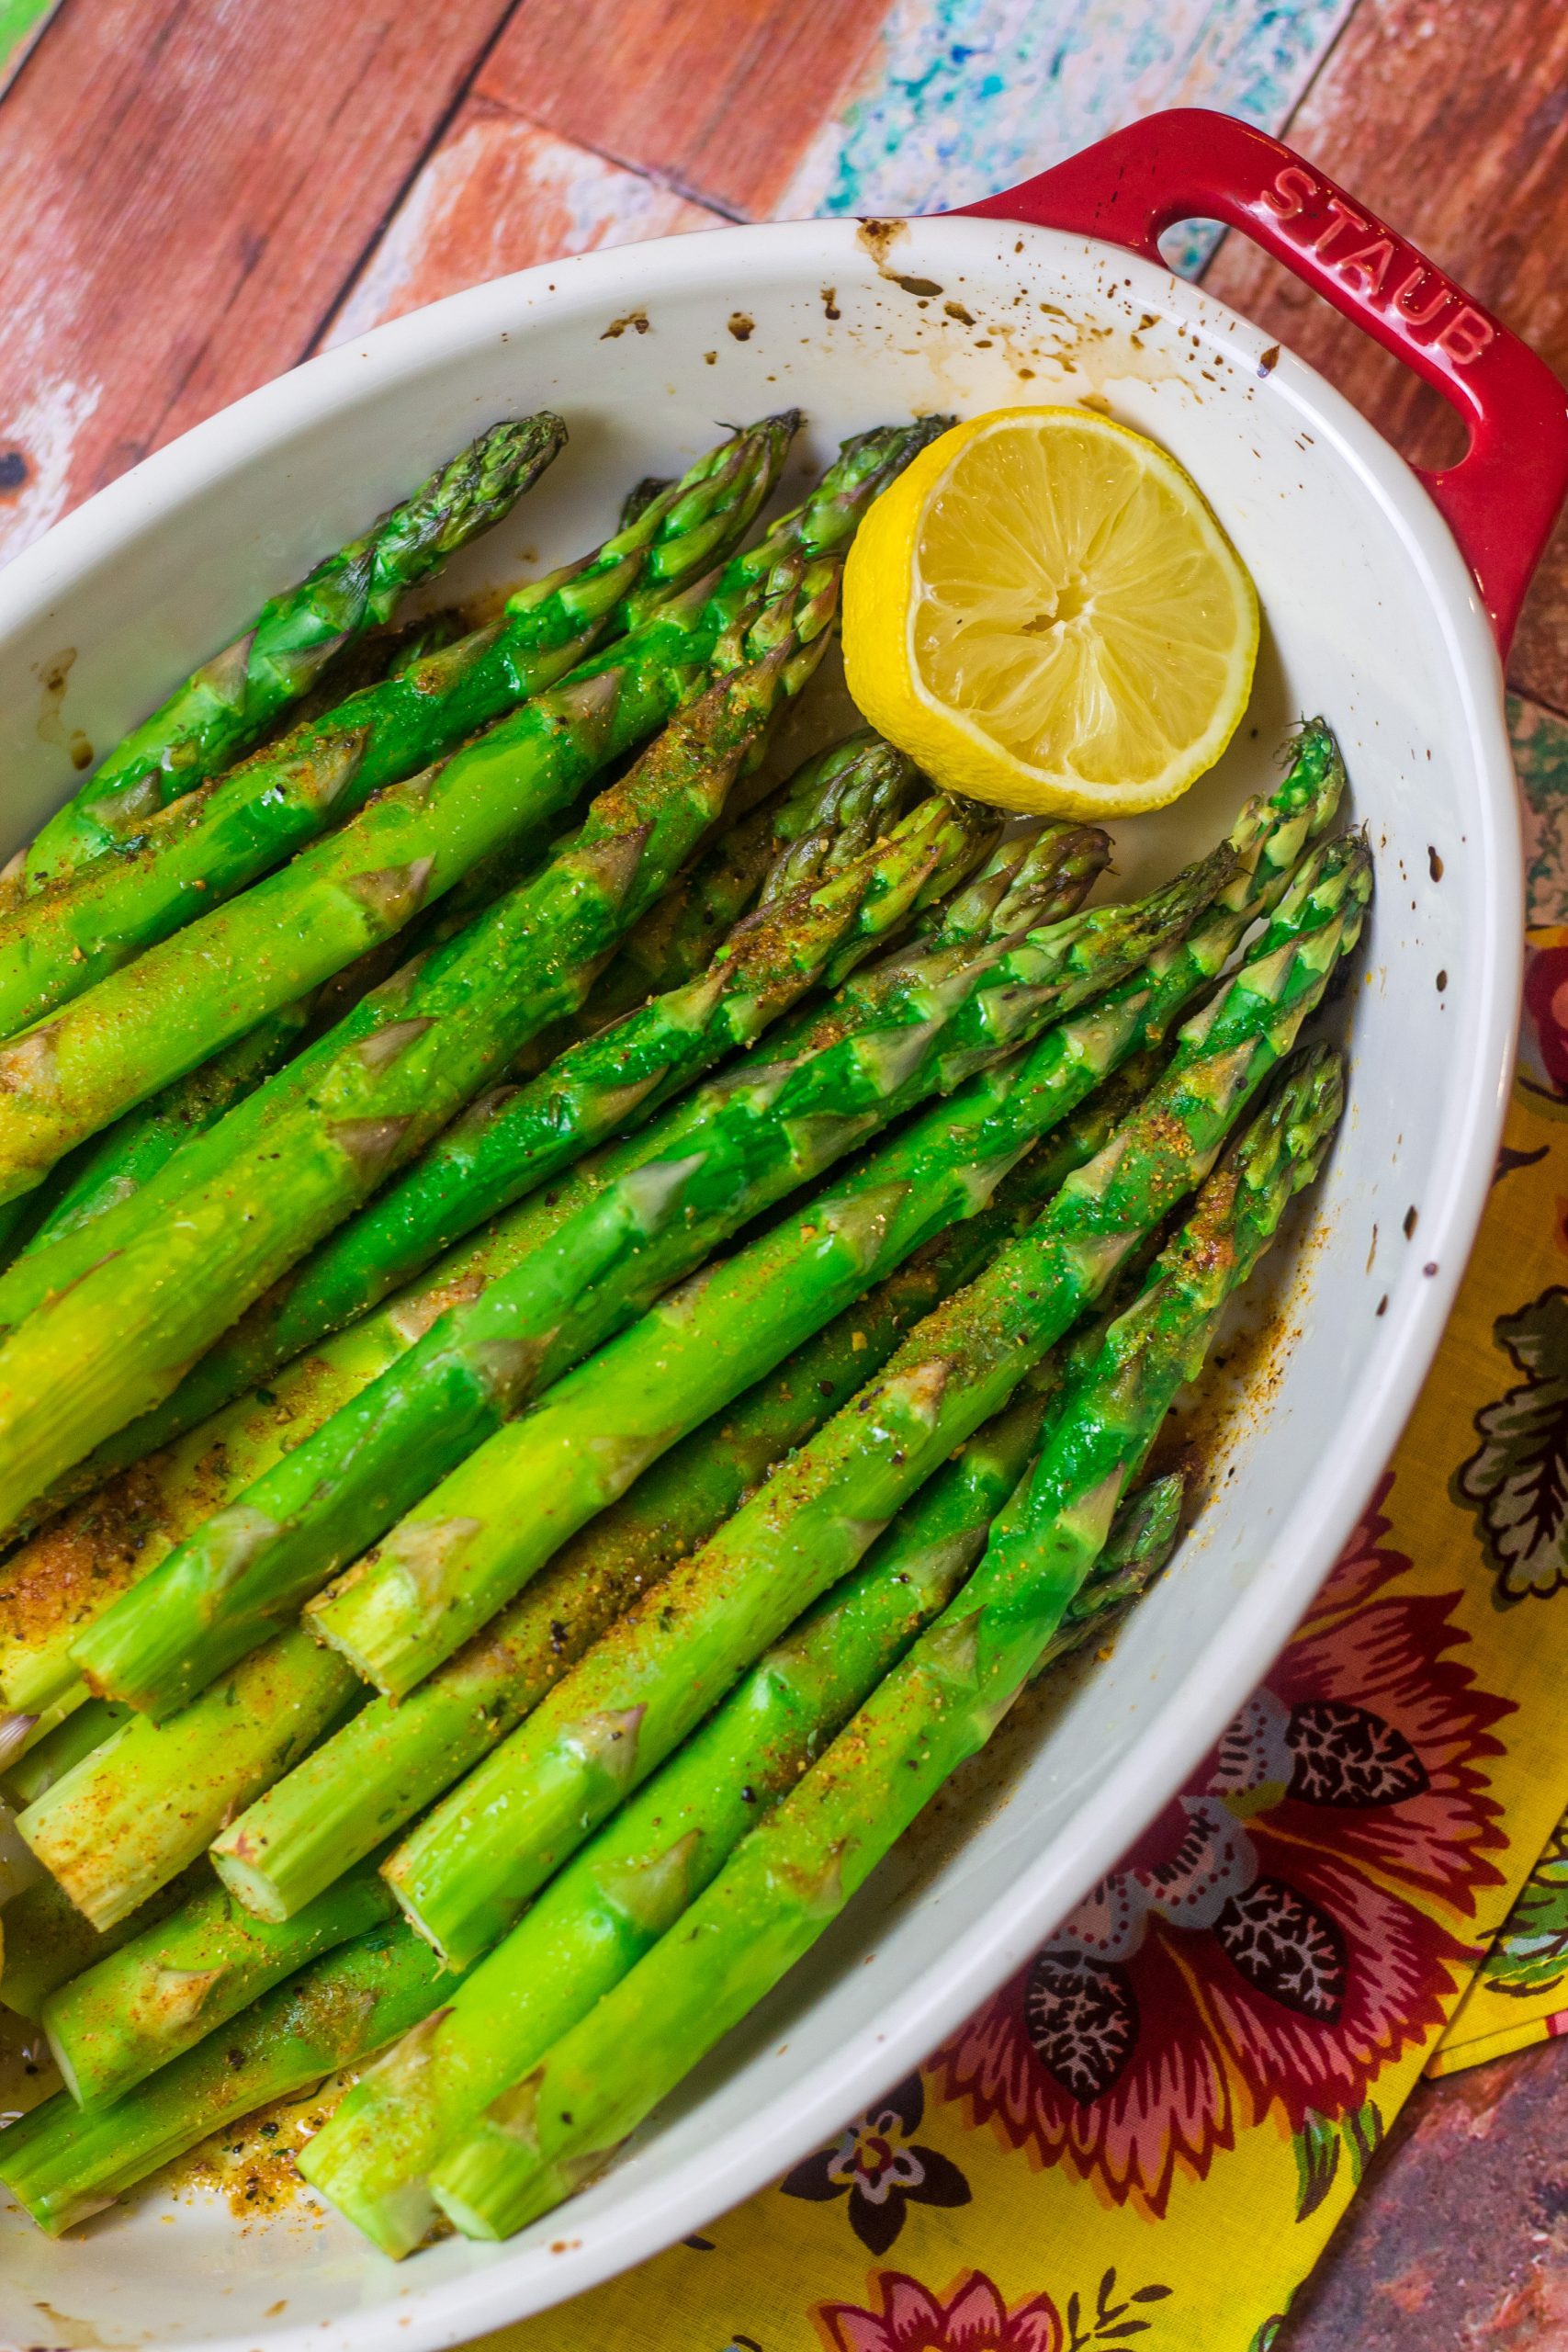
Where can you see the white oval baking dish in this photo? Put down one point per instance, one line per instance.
(1372, 615)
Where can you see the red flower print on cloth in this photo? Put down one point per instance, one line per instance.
(1270, 1941)
(914, 2319)
(1543, 1036)
(875, 2164)
(974, 2318)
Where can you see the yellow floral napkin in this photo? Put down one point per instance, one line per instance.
(1086, 2160)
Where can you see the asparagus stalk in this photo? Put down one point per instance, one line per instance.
(641, 497)
(220, 837)
(631, 1883)
(938, 1707)
(226, 705)
(188, 1253)
(385, 653)
(514, 1140)
(47, 1940)
(449, 1566)
(64, 2166)
(387, 1762)
(140, 2007)
(339, 1490)
(110, 1167)
(676, 939)
(464, 1873)
(134, 1812)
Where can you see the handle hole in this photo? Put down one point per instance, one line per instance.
(1419, 422)
(1188, 246)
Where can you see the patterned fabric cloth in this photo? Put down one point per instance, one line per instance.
(1203, 2058)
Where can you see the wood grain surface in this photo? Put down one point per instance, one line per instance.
(183, 192)
(1458, 2242)
(1453, 123)
(719, 101)
(499, 193)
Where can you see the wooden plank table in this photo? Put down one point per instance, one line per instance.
(192, 199)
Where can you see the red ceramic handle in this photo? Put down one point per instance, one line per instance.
(1502, 499)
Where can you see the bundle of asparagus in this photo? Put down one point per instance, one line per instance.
(128, 1817)
(377, 1085)
(835, 888)
(654, 1537)
(212, 1600)
(217, 839)
(392, 2149)
(226, 705)
(560, 2122)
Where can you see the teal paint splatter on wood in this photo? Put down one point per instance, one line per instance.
(964, 96)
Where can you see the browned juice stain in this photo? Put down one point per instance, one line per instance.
(52, 677)
(251, 2163)
(69, 2334)
(877, 237)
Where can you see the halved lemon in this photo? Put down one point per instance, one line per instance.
(1044, 612)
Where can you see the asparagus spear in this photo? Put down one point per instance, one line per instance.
(630, 1883)
(110, 1167)
(385, 653)
(47, 1940)
(466, 1872)
(191, 1252)
(800, 1868)
(220, 837)
(64, 2166)
(386, 1761)
(676, 939)
(443, 1572)
(137, 2008)
(134, 1812)
(641, 497)
(338, 1491)
(221, 709)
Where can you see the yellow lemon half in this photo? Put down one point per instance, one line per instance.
(1044, 612)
